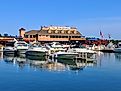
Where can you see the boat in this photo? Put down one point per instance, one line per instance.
(36, 51)
(97, 47)
(64, 55)
(59, 51)
(21, 47)
(56, 47)
(109, 48)
(84, 54)
(1, 48)
(59, 45)
(117, 49)
(1, 55)
(9, 49)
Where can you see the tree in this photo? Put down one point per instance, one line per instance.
(5, 35)
(0, 35)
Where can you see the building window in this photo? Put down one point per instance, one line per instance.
(30, 36)
(66, 32)
(76, 36)
(26, 36)
(59, 31)
(66, 36)
(34, 36)
(63, 37)
(51, 36)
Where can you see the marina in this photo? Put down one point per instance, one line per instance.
(60, 45)
(59, 58)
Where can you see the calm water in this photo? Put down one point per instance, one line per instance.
(20, 74)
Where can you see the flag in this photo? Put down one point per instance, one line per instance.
(101, 34)
(109, 36)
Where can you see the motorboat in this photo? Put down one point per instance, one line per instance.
(1, 55)
(9, 49)
(36, 51)
(59, 45)
(56, 47)
(1, 48)
(64, 55)
(21, 47)
(84, 54)
(117, 49)
(97, 47)
(109, 48)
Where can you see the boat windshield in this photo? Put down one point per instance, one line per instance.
(119, 45)
(22, 45)
(82, 46)
(36, 45)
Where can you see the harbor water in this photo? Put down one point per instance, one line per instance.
(22, 74)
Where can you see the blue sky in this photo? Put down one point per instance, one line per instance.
(89, 16)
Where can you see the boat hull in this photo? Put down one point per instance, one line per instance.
(35, 53)
(107, 51)
(10, 52)
(21, 51)
(117, 50)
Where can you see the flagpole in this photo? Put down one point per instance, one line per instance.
(101, 34)
(109, 37)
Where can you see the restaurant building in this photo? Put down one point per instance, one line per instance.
(51, 34)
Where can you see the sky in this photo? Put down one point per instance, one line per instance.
(89, 16)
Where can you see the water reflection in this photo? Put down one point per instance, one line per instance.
(1, 55)
(118, 56)
(105, 58)
(50, 64)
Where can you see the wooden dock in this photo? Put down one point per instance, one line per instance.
(85, 57)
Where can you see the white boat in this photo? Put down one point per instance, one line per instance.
(84, 53)
(118, 48)
(9, 50)
(109, 48)
(56, 47)
(64, 55)
(1, 48)
(80, 50)
(21, 47)
(59, 45)
(97, 48)
(1, 55)
(36, 51)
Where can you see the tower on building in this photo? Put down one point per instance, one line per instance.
(21, 32)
